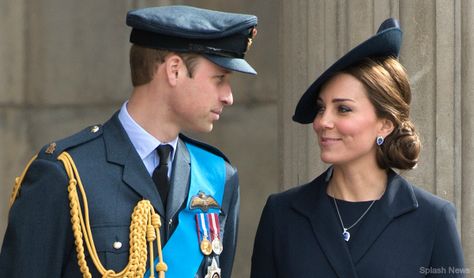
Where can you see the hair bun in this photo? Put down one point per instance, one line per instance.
(401, 148)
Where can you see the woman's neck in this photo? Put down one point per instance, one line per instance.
(357, 184)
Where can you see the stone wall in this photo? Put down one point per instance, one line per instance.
(65, 66)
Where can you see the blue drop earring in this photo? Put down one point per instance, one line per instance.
(379, 140)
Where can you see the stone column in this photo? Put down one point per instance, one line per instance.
(13, 132)
(467, 130)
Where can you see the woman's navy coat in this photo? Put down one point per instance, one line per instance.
(408, 233)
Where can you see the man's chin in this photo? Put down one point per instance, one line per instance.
(201, 129)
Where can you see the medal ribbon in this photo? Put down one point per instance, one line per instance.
(215, 226)
(202, 226)
(181, 253)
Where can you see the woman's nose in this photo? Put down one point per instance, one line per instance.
(323, 120)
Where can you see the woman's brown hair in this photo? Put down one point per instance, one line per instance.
(388, 89)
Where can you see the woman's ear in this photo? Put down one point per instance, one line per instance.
(386, 128)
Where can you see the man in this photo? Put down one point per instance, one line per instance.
(88, 205)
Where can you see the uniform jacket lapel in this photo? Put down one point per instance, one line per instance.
(120, 151)
(318, 210)
(179, 179)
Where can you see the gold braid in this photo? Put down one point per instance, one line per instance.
(144, 228)
(18, 181)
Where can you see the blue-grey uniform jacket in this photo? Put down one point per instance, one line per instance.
(39, 240)
(407, 233)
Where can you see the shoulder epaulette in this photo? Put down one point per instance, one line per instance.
(54, 149)
(205, 146)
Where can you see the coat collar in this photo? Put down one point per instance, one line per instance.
(119, 150)
(312, 203)
(398, 199)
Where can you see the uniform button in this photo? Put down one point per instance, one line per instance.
(94, 129)
(117, 245)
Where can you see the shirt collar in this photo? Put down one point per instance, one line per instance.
(144, 142)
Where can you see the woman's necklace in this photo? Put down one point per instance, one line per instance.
(345, 231)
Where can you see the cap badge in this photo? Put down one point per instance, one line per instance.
(203, 202)
(51, 148)
(253, 34)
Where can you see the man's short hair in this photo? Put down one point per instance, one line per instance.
(143, 61)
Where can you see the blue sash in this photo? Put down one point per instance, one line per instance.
(181, 253)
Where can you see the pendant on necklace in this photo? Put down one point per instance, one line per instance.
(346, 235)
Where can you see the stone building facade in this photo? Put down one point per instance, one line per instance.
(64, 66)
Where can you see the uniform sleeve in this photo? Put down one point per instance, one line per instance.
(226, 259)
(447, 251)
(263, 264)
(38, 238)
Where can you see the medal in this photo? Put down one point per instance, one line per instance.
(213, 271)
(217, 246)
(202, 223)
(215, 232)
(206, 247)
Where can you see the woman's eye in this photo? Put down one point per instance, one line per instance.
(344, 109)
(319, 109)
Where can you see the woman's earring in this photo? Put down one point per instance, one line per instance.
(379, 140)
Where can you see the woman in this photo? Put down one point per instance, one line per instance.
(360, 218)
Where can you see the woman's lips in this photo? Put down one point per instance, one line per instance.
(328, 141)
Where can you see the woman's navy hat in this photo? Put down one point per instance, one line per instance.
(221, 37)
(386, 42)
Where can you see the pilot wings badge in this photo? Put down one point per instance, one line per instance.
(203, 202)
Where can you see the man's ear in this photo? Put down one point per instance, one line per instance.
(386, 128)
(173, 64)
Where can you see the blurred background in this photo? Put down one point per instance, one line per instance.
(64, 66)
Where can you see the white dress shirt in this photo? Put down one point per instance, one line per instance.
(144, 142)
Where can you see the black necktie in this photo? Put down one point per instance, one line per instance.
(160, 174)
